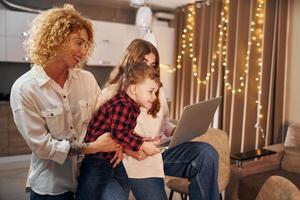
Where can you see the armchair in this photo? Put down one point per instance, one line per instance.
(219, 140)
(278, 188)
(245, 182)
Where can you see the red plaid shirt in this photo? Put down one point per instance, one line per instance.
(117, 116)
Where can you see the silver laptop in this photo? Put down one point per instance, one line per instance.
(193, 122)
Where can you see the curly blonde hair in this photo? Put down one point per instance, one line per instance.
(50, 30)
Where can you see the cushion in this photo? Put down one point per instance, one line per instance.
(250, 185)
(278, 188)
(291, 158)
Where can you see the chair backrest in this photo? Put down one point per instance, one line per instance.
(278, 188)
(291, 158)
(219, 140)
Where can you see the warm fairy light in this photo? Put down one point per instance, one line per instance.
(253, 56)
(169, 68)
(257, 37)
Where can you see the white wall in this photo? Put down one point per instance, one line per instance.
(293, 62)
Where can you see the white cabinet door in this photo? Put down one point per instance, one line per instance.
(2, 48)
(14, 49)
(165, 44)
(109, 39)
(108, 31)
(106, 53)
(2, 23)
(132, 32)
(17, 23)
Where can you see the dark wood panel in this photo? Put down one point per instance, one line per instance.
(11, 141)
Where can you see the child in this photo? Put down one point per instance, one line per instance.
(118, 116)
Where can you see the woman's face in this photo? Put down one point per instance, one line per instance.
(150, 60)
(76, 49)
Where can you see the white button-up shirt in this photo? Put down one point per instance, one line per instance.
(49, 117)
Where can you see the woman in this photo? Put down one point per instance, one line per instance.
(196, 161)
(53, 102)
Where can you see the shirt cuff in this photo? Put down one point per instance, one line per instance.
(61, 151)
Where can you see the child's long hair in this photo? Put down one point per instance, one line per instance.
(136, 52)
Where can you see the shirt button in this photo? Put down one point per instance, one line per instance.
(74, 138)
(71, 127)
(65, 96)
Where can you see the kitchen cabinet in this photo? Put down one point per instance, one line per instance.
(109, 44)
(165, 38)
(16, 26)
(2, 48)
(111, 39)
(11, 141)
(4, 129)
(2, 23)
(14, 49)
(18, 23)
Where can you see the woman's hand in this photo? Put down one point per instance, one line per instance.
(140, 155)
(150, 148)
(118, 157)
(104, 143)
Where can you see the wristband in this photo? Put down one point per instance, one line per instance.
(77, 149)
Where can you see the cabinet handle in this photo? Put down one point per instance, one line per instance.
(25, 58)
(105, 41)
(104, 62)
(25, 33)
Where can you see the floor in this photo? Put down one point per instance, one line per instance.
(13, 173)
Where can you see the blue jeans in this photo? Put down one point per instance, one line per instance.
(64, 196)
(197, 161)
(148, 188)
(98, 180)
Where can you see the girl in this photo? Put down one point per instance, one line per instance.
(193, 160)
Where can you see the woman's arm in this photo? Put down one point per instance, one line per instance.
(168, 127)
(103, 143)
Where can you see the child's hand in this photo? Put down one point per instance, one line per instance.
(140, 155)
(150, 139)
(150, 148)
(118, 157)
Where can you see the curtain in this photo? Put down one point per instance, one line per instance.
(235, 49)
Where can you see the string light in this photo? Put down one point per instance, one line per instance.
(257, 39)
(168, 68)
(221, 53)
(219, 57)
(187, 40)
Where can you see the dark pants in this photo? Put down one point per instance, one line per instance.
(148, 188)
(64, 196)
(98, 180)
(197, 161)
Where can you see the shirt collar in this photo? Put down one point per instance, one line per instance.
(42, 78)
(131, 101)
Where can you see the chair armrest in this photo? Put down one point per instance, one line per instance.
(251, 167)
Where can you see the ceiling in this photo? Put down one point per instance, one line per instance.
(122, 4)
(170, 4)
